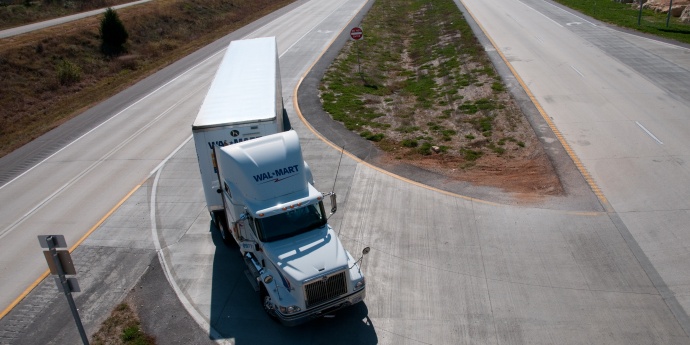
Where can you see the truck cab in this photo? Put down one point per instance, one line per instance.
(278, 219)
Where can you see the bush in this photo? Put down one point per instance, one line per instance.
(67, 72)
(425, 149)
(375, 137)
(113, 34)
(409, 143)
(471, 155)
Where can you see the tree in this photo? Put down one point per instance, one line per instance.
(113, 34)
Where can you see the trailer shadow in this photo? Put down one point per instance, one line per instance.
(236, 312)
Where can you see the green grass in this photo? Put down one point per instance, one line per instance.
(433, 82)
(624, 15)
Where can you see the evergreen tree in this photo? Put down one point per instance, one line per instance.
(113, 34)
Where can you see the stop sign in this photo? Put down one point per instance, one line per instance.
(356, 33)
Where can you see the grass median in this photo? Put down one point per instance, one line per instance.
(423, 90)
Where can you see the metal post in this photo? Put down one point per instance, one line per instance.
(67, 289)
(639, 16)
(668, 17)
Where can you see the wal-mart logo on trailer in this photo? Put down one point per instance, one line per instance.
(277, 175)
(222, 143)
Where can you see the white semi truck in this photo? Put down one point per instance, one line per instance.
(244, 102)
(261, 195)
(277, 217)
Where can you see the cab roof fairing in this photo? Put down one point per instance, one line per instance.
(267, 173)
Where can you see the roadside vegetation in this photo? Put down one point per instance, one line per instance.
(15, 13)
(426, 94)
(122, 327)
(626, 16)
(49, 76)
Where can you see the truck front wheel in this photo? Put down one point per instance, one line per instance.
(267, 304)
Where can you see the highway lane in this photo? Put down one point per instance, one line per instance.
(70, 191)
(623, 104)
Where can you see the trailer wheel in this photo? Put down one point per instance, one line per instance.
(267, 303)
(222, 225)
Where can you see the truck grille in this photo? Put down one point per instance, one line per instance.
(325, 289)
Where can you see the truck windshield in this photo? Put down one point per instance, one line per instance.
(291, 223)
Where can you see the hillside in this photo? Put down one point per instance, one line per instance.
(50, 76)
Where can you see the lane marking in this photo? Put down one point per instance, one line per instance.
(167, 270)
(583, 170)
(298, 110)
(663, 290)
(47, 272)
(590, 181)
(95, 164)
(111, 118)
(649, 133)
(576, 70)
(528, 6)
(570, 13)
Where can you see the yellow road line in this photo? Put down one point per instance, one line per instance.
(583, 170)
(45, 274)
(360, 161)
(581, 167)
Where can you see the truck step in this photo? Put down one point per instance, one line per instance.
(252, 280)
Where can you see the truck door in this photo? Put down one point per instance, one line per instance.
(251, 235)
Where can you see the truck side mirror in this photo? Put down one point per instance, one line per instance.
(365, 251)
(334, 203)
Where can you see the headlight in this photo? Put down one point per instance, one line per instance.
(360, 284)
(289, 310)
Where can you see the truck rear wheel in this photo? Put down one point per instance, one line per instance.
(222, 224)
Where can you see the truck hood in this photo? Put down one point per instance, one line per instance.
(308, 255)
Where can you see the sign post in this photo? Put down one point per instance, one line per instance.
(357, 34)
(60, 264)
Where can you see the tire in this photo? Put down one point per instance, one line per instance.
(222, 224)
(267, 304)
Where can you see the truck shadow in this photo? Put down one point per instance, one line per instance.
(236, 312)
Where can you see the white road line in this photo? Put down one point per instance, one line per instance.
(193, 312)
(570, 13)
(155, 170)
(112, 117)
(541, 14)
(578, 72)
(93, 165)
(649, 133)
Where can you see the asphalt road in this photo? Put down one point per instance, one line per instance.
(444, 268)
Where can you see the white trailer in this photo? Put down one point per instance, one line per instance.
(277, 217)
(244, 102)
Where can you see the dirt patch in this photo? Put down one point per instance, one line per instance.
(122, 327)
